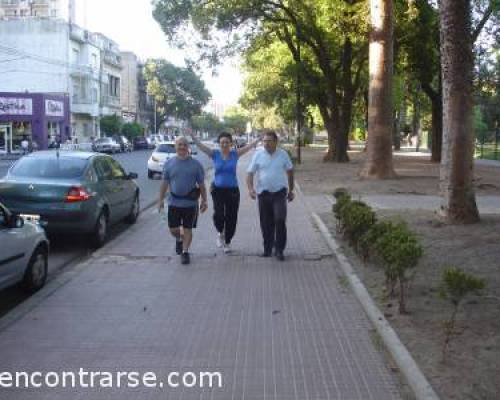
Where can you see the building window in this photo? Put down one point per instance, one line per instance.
(114, 86)
(53, 13)
(76, 56)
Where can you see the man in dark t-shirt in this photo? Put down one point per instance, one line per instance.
(183, 177)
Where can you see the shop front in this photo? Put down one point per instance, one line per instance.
(36, 118)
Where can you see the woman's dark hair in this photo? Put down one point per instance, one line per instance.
(224, 135)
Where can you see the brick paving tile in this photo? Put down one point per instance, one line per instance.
(274, 330)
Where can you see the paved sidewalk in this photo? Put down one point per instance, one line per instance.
(486, 204)
(274, 330)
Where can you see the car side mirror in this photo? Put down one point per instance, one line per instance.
(16, 222)
(132, 175)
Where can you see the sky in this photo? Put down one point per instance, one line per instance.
(131, 24)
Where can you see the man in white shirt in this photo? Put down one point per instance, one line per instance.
(274, 186)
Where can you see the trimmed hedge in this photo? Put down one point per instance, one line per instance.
(389, 243)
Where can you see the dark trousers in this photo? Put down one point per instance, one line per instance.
(272, 211)
(226, 205)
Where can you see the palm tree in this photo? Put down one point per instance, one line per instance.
(379, 146)
(457, 191)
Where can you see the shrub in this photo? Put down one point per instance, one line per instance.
(343, 198)
(357, 218)
(132, 130)
(368, 240)
(456, 285)
(400, 251)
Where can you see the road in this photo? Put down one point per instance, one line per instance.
(66, 250)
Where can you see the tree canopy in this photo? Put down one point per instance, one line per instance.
(179, 92)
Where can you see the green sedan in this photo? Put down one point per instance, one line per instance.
(71, 192)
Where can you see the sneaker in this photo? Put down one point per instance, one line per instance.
(227, 248)
(185, 258)
(178, 246)
(220, 240)
(280, 256)
(266, 254)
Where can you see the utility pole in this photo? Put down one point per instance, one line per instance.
(154, 116)
(298, 97)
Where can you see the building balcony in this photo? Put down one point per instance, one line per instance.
(9, 3)
(110, 101)
(40, 3)
(79, 34)
(112, 58)
(82, 71)
(84, 105)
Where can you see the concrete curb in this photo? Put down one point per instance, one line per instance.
(412, 373)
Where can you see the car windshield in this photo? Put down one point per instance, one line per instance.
(165, 148)
(56, 168)
(104, 140)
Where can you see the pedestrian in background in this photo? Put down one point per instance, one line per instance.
(184, 180)
(274, 186)
(224, 188)
(25, 144)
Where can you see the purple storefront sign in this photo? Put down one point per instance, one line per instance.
(38, 109)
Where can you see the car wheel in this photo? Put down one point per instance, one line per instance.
(100, 233)
(134, 212)
(36, 273)
(151, 174)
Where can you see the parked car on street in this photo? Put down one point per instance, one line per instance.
(107, 145)
(24, 252)
(162, 153)
(125, 145)
(151, 142)
(140, 143)
(71, 192)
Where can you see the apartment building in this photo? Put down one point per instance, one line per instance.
(44, 55)
(129, 86)
(62, 9)
(111, 69)
(85, 83)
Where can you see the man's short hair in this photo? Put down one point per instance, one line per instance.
(182, 139)
(272, 134)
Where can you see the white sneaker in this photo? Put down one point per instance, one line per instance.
(220, 240)
(227, 248)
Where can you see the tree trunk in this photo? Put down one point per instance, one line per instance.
(457, 190)
(437, 128)
(379, 154)
(415, 124)
(396, 138)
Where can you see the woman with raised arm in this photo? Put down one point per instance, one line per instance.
(224, 189)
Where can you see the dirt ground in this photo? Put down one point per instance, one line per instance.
(472, 368)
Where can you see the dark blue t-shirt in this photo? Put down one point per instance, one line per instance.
(183, 176)
(225, 170)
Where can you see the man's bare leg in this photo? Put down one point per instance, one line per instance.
(187, 238)
(176, 233)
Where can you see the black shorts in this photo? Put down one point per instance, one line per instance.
(186, 217)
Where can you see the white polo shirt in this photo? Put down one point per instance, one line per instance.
(270, 170)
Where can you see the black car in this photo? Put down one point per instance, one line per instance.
(140, 143)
